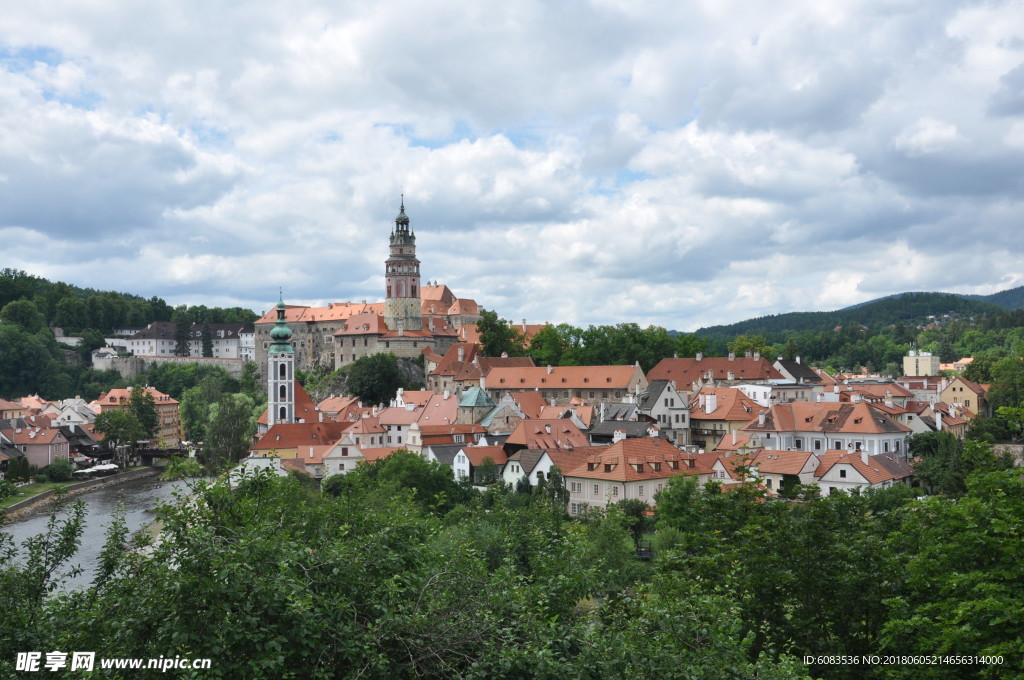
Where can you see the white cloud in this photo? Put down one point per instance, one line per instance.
(590, 162)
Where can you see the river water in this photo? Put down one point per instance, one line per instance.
(138, 497)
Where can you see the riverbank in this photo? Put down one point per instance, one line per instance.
(41, 499)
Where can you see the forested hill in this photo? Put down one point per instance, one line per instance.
(1007, 299)
(906, 309)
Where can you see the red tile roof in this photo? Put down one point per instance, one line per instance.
(547, 434)
(688, 371)
(632, 460)
(562, 377)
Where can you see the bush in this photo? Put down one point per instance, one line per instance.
(59, 471)
(41, 478)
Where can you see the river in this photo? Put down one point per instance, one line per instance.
(138, 497)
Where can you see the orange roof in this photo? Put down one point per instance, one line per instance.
(476, 454)
(363, 426)
(547, 434)
(562, 377)
(735, 442)
(121, 395)
(34, 435)
(530, 403)
(688, 371)
(371, 455)
(873, 471)
(295, 435)
(632, 460)
(808, 416)
(335, 311)
(730, 405)
(781, 462)
(875, 390)
(437, 430)
(334, 405)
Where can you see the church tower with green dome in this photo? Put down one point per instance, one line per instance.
(280, 371)
(402, 309)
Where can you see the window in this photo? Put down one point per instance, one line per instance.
(540, 475)
(615, 491)
(459, 438)
(798, 443)
(817, 445)
(283, 413)
(341, 467)
(576, 487)
(842, 474)
(281, 372)
(597, 489)
(574, 508)
(344, 451)
(640, 490)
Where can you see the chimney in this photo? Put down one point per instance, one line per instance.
(675, 355)
(734, 437)
(712, 403)
(524, 325)
(310, 451)
(888, 399)
(462, 353)
(547, 428)
(730, 376)
(745, 354)
(504, 355)
(864, 456)
(701, 398)
(550, 369)
(938, 421)
(757, 356)
(618, 436)
(321, 417)
(732, 356)
(652, 431)
(700, 355)
(447, 394)
(760, 418)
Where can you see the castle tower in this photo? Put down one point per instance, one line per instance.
(280, 372)
(402, 309)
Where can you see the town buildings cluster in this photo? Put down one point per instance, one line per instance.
(44, 432)
(613, 432)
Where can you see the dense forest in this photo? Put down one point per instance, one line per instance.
(33, 361)
(397, 571)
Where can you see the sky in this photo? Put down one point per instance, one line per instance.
(673, 163)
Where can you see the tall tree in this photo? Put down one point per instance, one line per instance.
(23, 313)
(207, 340)
(143, 407)
(229, 430)
(497, 337)
(375, 378)
(182, 333)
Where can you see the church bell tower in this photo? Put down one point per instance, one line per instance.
(402, 309)
(280, 372)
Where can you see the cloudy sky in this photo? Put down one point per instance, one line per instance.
(666, 162)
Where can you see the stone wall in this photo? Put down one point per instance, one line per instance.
(129, 367)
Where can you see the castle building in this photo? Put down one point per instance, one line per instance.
(412, 318)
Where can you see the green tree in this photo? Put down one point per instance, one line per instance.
(1013, 417)
(547, 346)
(375, 379)
(497, 337)
(182, 334)
(749, 343)
(229, 430)
(639, 521)
(429, 482)
(142, 405)
(120, 429)
(23, 313)
(207, 340)
(944, 462)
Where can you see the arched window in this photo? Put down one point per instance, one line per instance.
(281, 372)
(284, 413)
(284, 392)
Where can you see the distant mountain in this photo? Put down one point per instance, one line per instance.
(1007, 299)
(900, 308)
(1012, 298)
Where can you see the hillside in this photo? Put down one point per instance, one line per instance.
(906, 308)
